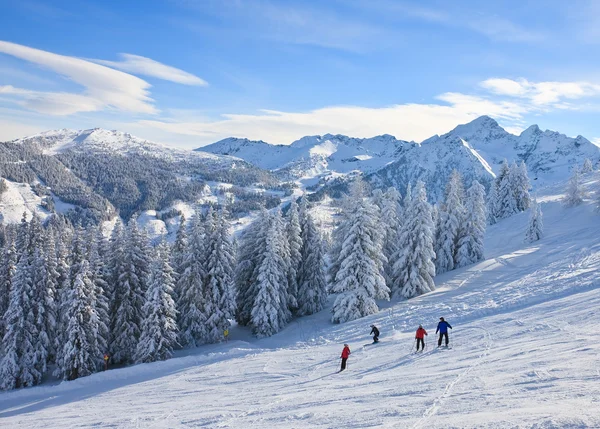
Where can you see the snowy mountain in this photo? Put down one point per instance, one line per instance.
(91, 175)
(523, 354)
(476, 149)
(314, 155)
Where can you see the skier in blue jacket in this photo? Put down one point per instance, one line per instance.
(442, 328)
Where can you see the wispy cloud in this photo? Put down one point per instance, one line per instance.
(542, 93)
(104, 86)
(148, 67)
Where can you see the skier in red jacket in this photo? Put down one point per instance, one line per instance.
(345, 355)
(419, 336)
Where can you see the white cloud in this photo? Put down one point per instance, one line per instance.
(10, 130)
(148, 67)
(542, 93)
(51, 103)
(104, 87)
(406, 121)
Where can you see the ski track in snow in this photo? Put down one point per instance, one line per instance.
(524, 355)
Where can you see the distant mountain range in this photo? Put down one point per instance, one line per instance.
(97, 173)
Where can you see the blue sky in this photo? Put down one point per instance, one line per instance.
(187, 73)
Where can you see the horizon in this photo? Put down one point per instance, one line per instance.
(186, 74)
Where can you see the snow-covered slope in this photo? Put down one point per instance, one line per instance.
(524, 355)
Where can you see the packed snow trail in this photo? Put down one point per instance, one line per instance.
(525, 354)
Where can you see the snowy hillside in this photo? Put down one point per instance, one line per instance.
(524, 354)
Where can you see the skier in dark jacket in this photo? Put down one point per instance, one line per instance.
(442, 328)
(375, 333)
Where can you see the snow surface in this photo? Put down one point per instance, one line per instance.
(525, 354)
(19, 198)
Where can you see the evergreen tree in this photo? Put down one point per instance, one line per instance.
(575, 192)
(452, 216)
(191, 303)
(520, 180)
(535, 228)
(249, 257)
(492, 204)
(390, 222)
(52, 278)
(359, 281)
(506, 203)
(129, 294)
(77, 358)
(470, 246)
(7, 273)
(97, 255)
(414, 268)
(270, 311)
(312, 282)
(178, 252)
(294, 241)
(587, 166)
(62, 235)
(220, 306)
(19, 366)
(159, 326)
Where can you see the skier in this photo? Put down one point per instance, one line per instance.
(375, 333)
(442, 328)
(419, 336)
(345, 355)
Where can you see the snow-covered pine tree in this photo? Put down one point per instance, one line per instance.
(51, 294)
(575, 193)
(279, 240)
(452, 215)
(522, 186)
(77, 358)
(378, 198)
(587, 166)
(130, 294)
(312, 281)
(414, 268)
(62, 236)
(390, 222)
(18, 367)
(294, 241)
(506, 203)
(270, 312)
(250, 253)
(492, 204)
(178, 252)
(97, 255)
(191, 305)
(7, 272)
(359, 281)
(535, 227)
(219, 282)
(159, 325)
(470, 246)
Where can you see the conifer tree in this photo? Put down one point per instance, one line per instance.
(359, 281)
(7, 272)
(249, 257)
(219, 282)
(506, 203)
(129, 294)
(575, 193)
(587, 166)
(390, 222)
(452, 215)
(191, 305)
(470, 246)
(312, 281)
(535, 227)
(77, 358)
(270, 311)
(97, 255)
(159, 326)
(520, 181)
(414, 268)
(294, 241)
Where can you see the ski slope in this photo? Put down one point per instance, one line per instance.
(525, 354)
